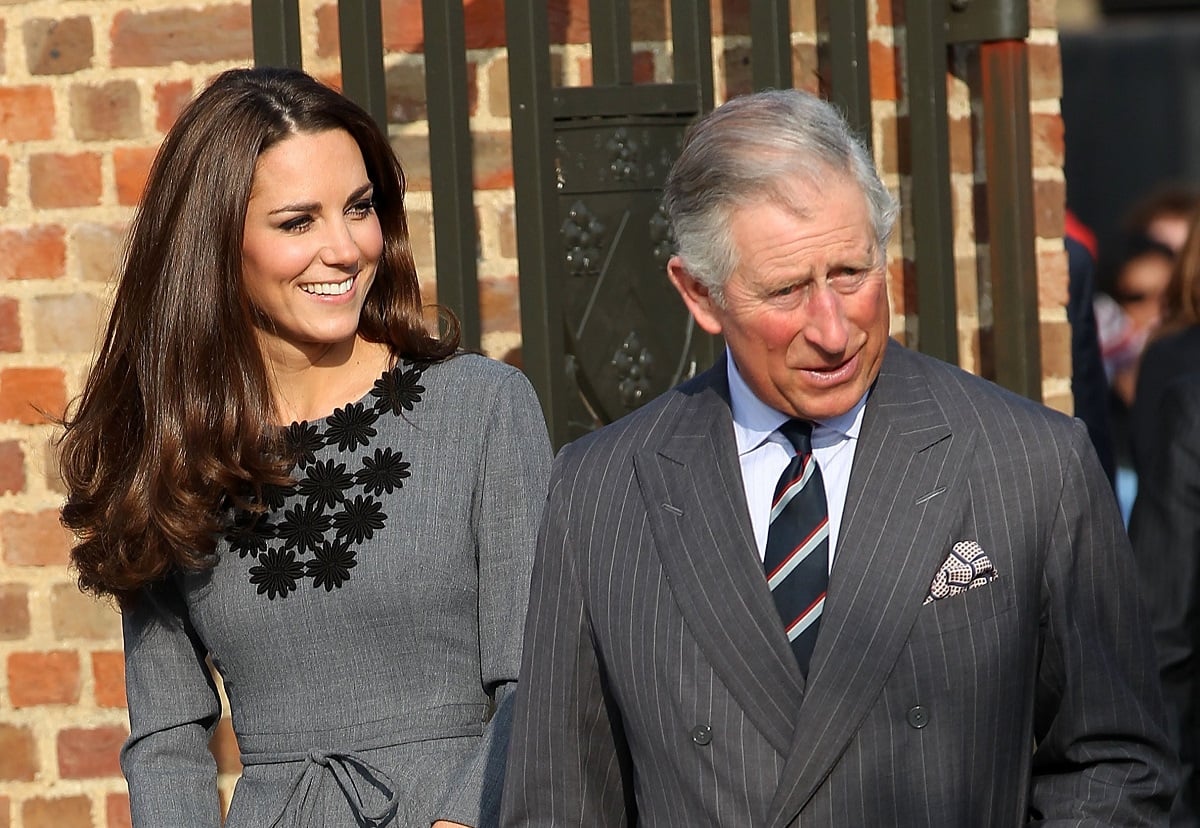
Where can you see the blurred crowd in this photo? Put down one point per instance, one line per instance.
(1135, 314)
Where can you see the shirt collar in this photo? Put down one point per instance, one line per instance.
(754, 421)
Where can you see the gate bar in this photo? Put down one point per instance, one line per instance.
(275, 33)
(771, 44)
(612, 42)
(933, 227)
(849, 63)
(451, 165)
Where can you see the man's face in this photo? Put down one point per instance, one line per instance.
(805, 314)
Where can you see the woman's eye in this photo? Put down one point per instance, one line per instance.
(362, 208)
(297, 223)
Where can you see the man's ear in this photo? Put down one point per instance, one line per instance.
(696, 296)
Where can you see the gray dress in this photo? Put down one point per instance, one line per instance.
(366, 626)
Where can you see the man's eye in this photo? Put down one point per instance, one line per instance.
(849, 278)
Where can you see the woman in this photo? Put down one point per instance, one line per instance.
(274, 466)
(1174, 350)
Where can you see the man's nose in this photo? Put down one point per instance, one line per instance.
(825, 326)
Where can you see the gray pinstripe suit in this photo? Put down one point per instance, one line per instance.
(658, 687)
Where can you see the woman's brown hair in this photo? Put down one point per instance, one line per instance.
(175, 419)
(1181, 299)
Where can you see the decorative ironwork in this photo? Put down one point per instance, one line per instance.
(633, 363)
(584, 237)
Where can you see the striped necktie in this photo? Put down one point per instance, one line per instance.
(797, 556)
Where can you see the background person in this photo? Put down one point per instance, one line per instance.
(829, 581)
(1165, 531)
(275, 466)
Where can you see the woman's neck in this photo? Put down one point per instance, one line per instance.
(311, 386)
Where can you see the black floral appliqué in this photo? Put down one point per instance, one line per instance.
(313, 528)
(399, 389)
(384, 472)
(332, 564)
(303, 441)
(351, 426)
(276, 573)
(326, 483)
(359, 519)
(304, 526)
(251, 534)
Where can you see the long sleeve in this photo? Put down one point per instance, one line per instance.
(509, 496)
(565, 763)
(1166, 540)
(173, 710)
(1101, 754)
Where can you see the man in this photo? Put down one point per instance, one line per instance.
(967, 650)
(1165, 530)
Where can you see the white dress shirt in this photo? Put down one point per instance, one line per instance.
(764, 453)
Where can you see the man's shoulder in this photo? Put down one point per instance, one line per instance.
(655, 422)
(963, 396)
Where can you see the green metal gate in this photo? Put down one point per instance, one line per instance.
(602, 329)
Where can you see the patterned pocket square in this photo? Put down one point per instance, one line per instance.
(967, 567)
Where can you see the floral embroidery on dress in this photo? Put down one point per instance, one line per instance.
(311, 530)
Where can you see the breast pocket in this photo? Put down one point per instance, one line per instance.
(974, 606)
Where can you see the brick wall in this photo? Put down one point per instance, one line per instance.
(87, 89)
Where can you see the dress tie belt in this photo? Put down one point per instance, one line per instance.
(344, 765)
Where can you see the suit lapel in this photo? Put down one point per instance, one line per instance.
(905, 481)
(693, 494)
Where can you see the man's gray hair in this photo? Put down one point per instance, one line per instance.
(757, 148)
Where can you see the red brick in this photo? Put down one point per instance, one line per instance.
(43, 678)
(14, 612)
(1056, 349)
(224, 748)
(69, 323)
(883, 64)
(60, 812)
(36, 539)
(12, 473)
(4, 801)
(18, 753)
(327, 30)
(160, 38)
(1047, 140)
(961, 145)
(50, 469)
(731, 17)
(30, 395)
(890, 12)
(1052, 281)
(37, 252)
(61, 180)
(90, 753)
(806, 68)
(4, 165)
(1045, 72)
(26, 113)
(132, 167)
(1049, 203)
(170, 98)
(108, 675)
(116, 811)
(96, 249)
(493, 161)
(106, 111)
(10, 325)
(498, 304)
(1042, 14)
(74, 614)
(58, 47)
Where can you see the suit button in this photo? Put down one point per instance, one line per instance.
(702, 734)
(917, 717)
